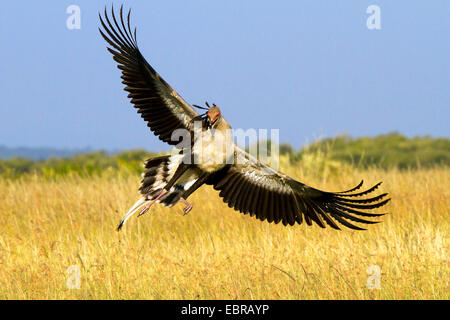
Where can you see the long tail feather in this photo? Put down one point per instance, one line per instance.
(136, 206)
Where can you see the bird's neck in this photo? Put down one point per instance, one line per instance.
(222, 124)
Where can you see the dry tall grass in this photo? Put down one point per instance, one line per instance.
(214, 252)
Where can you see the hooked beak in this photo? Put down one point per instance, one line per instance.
(204, 117)
(212, 120)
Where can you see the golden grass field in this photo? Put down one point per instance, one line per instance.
(216, 253)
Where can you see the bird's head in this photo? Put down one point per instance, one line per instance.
(212, 114)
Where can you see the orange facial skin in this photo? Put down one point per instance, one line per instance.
(213, 114)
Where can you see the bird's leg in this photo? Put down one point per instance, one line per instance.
(201, 180)
(145, 209)
(188, 206)
(197, 184)
(182, 168)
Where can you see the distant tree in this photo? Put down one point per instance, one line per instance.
(390, 150)
(286, 148)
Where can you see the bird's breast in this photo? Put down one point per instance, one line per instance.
(211, 151)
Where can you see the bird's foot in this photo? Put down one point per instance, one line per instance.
(187, 208)
(145, 209)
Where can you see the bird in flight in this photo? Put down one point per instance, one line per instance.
(244, 183)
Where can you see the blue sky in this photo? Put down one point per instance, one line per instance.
(309, 68)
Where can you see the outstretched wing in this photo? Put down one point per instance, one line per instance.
(254, 188)
(159, 105)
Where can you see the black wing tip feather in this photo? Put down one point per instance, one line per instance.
(343, 207)
(333, 209)
(353, 189)
(120, 37)
(336, 208)
(141, 80)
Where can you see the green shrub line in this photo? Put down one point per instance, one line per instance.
(384, 151)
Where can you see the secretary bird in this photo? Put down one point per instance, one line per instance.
(245, 183)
